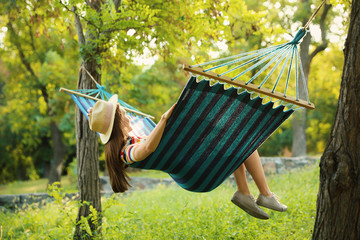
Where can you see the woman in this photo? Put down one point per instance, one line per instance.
(110, 120)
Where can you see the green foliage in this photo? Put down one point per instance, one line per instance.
(38, 54)
(346, 3)
(72, 171)
(324, 85)
(174, 213)
(173, 32)
(36, 186)
(153, 90)
(279, 142)
(326, 68)
(56, 192)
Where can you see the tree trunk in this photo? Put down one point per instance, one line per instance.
(299, 117)
(59, 153)
(87, 145)
(299, 134)
(299, 122)
(87, 163)
(338, 203)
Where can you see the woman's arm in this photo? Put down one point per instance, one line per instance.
(144, 149)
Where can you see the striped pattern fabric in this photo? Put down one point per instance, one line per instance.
(127, 153)
(142, 126)
(210, 133)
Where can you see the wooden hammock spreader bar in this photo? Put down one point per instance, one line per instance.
(97, 99)
(250, 87)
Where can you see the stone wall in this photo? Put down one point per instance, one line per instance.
(11, 202)
(137, 183)
(275, 165)
(272, 165)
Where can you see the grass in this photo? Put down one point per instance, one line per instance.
(36, 186)
(149, 174)
(173, 213)
(67, 182)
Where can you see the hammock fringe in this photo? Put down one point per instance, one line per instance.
(250, 87)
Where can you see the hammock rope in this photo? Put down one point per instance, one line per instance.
(92, 78)
(286, 53)
(314, 14)
(264, 61)
(87, 93)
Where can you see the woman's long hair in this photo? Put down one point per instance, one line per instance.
(115, 166)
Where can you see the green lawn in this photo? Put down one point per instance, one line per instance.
(68, 183)
(173, 213)
(35, 186)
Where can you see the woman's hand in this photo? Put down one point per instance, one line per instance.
(168, 113)
(89, 111)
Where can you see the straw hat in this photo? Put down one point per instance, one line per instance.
(102, 117)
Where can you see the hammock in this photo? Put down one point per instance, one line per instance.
(211, 132)
(285, 55)
(214, 128)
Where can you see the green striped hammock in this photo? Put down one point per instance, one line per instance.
(215, 128)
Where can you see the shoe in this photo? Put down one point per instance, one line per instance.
(271, 203)
(248, 204)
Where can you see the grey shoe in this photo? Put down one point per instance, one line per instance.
(271, 203)
(248, 204)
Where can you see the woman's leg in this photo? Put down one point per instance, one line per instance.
(240, 179)
(254, 167)
(266, 197)
(242, 197)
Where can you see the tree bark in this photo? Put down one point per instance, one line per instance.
(338, 205)
(87, 148)
(87, 164)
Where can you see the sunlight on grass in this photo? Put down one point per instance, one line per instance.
(173, 213)
(39, 186)
(35, 186)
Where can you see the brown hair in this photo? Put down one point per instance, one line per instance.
(116, 167)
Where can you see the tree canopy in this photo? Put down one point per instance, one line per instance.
(40, 53)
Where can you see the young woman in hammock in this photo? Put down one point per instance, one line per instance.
(111, 121)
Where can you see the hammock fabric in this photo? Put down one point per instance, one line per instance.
(142, 126)
(210, 133)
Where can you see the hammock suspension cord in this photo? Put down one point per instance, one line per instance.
(284, 55)
(100, 93)
(314, 14)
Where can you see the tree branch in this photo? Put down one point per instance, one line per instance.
(27, 64)
(324, 43)
(74, 11)
(95, 4)
(117, 4)
(126, 29)
(32, 40)
(79, 28)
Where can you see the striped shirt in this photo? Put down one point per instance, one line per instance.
(127, 152)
